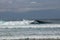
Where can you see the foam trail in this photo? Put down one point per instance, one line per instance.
(30, 26)
(24, 24)
(31, 37)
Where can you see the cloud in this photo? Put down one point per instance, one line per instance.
(28, 5)
(33, 2)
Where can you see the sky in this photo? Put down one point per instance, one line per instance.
(27, 6)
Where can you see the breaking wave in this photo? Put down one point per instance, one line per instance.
(20, 24)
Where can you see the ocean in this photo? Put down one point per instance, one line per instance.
(30, 32)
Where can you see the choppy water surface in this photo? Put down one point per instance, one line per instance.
(16, 32)
(29, 31)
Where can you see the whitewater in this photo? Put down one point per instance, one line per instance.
(23, 29)
(37, 33)
(30, 26)
(23, 24)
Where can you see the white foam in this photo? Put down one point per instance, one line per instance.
(31, 37)
(24, 24)
(31, 26)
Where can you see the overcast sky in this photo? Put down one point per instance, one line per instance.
(28, 5)
(30, 9)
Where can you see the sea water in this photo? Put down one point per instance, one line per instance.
(26, 32)
(18, 33)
